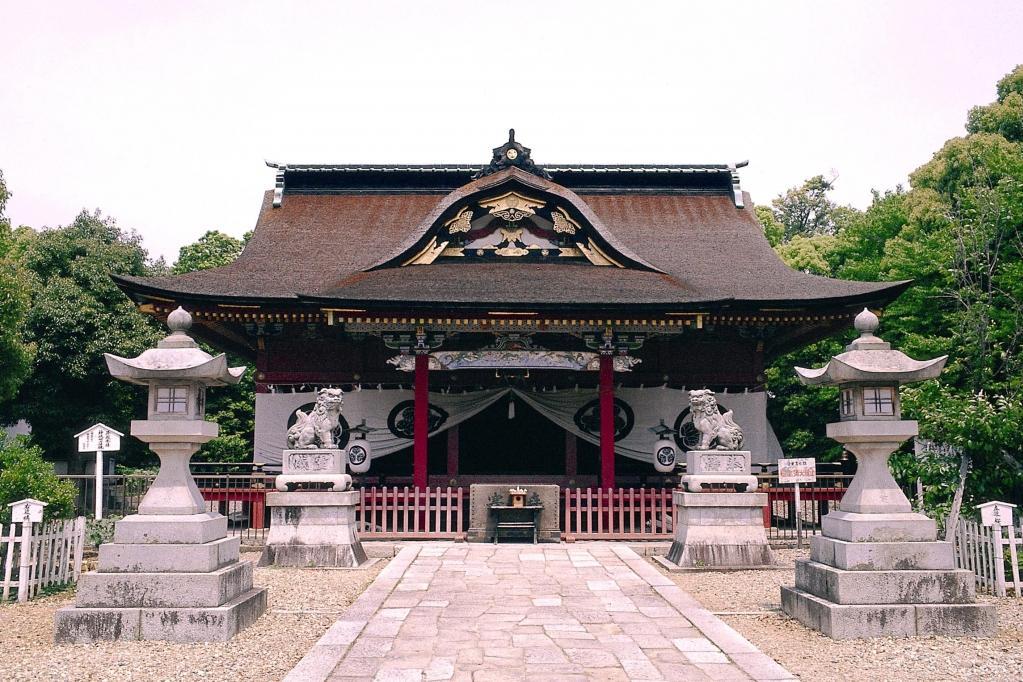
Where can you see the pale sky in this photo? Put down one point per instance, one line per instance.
(162, 113)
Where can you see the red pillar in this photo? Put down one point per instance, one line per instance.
(420, 424)
(607, 428)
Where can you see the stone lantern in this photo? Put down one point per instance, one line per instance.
(171, 572)
(877, 569)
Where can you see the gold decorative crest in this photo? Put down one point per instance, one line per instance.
(512, 206)
(461, 222)
(562, 223)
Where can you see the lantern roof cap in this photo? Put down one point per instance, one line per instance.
(176, 357)
(869, 359)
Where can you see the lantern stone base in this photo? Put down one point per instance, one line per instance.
(170, 577)
(886, 576)
(313, 528)
(720, 530)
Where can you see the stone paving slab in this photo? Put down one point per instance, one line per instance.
(475, 612)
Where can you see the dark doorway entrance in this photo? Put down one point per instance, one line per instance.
(491, 443)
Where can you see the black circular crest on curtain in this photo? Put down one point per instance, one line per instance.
(685, 434)
(342, 432)
(401, 420)
(587, 418)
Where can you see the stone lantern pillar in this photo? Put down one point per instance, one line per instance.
(171, 572)
(877, 569)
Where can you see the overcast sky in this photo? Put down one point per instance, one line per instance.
(161, 113)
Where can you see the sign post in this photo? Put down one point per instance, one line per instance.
(99, 438)
(796, 471)
(28, 512)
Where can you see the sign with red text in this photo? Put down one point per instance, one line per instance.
(797, 470)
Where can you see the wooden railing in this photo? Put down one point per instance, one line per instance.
(41, 555)
(411, 513)
(618, 514)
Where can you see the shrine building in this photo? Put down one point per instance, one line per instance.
(510, 321)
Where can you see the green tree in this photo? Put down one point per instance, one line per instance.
(808, 210)
(15, 352)
(212, 250)
(24, 473)
(773, 230)
(77, 313)
(957, 235)
(1005, 115)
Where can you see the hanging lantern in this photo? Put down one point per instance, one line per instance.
(360, 456)
(665, 456)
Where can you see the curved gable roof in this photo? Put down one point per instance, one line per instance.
(504, 180)
(685, 248)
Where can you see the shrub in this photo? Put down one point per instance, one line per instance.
(24, 473)
(99, 532)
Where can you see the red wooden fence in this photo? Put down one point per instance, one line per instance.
(617, 514)
(404, 513)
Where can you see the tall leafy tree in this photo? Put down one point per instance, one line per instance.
(77, 313)
(211, 250)
(15, 352)
(808, 210)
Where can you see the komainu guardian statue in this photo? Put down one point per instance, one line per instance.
(717, 431)
(315, 429)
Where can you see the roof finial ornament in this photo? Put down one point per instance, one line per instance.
(511, 153)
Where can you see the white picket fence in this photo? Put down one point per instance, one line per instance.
(981, 549)
(53, 556)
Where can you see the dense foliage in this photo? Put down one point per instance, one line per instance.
(24, 473)
(958, 234)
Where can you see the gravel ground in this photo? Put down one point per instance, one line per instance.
(265, 651)
(812, 656)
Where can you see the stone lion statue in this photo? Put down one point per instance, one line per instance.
(315, 429)
(717, 431)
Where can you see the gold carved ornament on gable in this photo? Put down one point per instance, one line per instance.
(512, 206)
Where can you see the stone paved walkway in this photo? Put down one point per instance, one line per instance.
(539, 612)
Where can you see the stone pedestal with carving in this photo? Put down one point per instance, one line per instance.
(313, 528)
(720, 530)
(721, 467)
(314, 465)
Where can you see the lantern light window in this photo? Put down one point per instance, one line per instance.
(171, 399)
(878, 400)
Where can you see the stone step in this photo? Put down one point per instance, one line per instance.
(882, 556)
(194, 529)
(168, 590)
(954, 586)
(168, 558)
(854, 527)
(77, 625)
(860, 621)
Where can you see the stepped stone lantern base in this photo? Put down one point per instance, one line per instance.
(313, 528)
(878, 569)
(170, 574)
